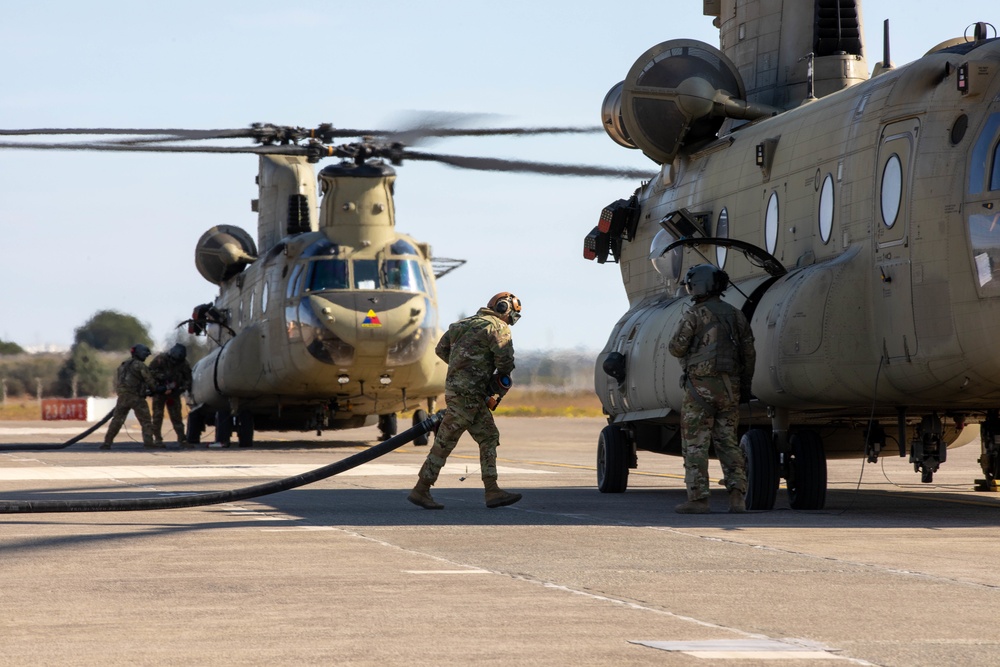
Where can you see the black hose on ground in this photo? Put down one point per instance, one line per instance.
(136, 504)
(71, 441)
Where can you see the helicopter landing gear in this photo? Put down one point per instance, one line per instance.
(244, 429)
(804, 469)
(386, 426)
(989, 459)
(195, 426)
(762, 469)
(928, 449)
(615, 456)
(420, 415)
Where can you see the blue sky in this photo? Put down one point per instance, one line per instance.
(84, 232)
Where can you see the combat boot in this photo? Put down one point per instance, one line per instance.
(699, 506)
(421, 495)
(497, 497)
(737, 502)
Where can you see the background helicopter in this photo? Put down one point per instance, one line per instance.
(857, 219)
(326, 320)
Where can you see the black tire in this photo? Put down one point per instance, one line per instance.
(613, 454)
(806, 472)
(419, 416)
(195, 426)
(762, 469)
(244, 429)
(223, 427)
(387, 426)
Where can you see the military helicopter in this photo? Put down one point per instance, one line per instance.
(857, 219)
(327, 321)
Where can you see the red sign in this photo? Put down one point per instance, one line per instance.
(64, 408)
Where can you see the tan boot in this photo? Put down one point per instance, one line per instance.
(421, 495)
(694, 507)
(737, 502)
(497, 497)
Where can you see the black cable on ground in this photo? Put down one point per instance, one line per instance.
(137, 504)
(71, 441)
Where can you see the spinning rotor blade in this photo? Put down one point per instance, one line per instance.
(526, 166)
(141, 148)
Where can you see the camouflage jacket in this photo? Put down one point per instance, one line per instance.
(714, 338)
(167, 371)
(473, 348)
(133, 378)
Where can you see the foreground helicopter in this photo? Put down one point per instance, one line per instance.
(857, 219)
(327, 321)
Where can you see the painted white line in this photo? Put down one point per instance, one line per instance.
(746, 649)
(447, 572)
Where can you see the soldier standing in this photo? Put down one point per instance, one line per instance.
(133, 382)
(172, 375)
(473, 348)
(715, 345)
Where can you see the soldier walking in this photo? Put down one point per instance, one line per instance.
(473, 348)
(133, 382)
(716, 347)
(172, 376)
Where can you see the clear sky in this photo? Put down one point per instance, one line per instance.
(83, 232)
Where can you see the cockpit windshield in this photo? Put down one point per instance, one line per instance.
(404, 274)
(366, 274)
(327, 274)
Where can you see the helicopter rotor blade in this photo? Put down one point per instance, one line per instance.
(141, 148)
(527, 166)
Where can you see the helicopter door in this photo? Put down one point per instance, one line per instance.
(893, 302)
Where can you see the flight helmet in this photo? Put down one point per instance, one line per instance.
(140, 352)
(705, 280)
(507, 306)
(178, 352)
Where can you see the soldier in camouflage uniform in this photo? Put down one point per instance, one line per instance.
(133, 382)
(172, 376)
(715, 345)
(473, 348)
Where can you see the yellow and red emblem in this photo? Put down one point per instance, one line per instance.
(371, 320)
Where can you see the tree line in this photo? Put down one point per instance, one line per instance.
(99, 346)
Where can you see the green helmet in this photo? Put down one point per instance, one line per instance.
(705, 280)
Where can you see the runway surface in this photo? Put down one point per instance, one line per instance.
(347, 572)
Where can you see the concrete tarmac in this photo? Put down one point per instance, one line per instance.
(347, 572)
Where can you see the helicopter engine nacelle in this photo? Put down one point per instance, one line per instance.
(677, 95)
(223, 252)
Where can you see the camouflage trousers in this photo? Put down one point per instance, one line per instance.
(173, 406)
(464, 413)
(138, 405)
(709, 417)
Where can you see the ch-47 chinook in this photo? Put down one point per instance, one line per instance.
(858, 219)
(327, 321)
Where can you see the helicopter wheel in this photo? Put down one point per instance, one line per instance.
(419, 416)
(195, 426)
(805, 474)
(762, 469)
(386, 426)
(613, 449)
(223, 427)
(244, 429)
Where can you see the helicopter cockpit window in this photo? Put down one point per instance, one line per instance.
(771, 224)
(326, 274)
(995, 173)
(404, 274)
(366, 275)
(401, 247)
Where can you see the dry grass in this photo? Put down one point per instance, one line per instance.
(519, 403)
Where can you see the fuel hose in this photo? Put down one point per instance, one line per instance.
(142, 504)
(45, 448)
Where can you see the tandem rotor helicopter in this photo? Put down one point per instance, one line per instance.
(326, 321)
(858, 220)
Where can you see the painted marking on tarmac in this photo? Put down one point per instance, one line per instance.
(447, 572)
(745, 649)
(212, 471)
